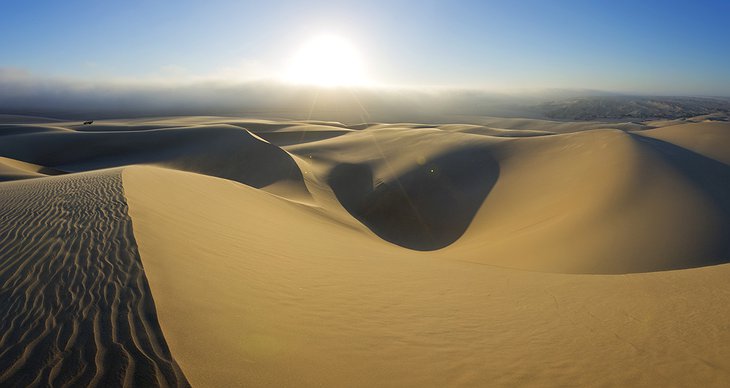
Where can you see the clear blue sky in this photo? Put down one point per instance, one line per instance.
(668, 47)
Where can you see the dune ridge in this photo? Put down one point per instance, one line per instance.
(76, 306)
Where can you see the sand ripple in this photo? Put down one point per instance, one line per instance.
(75, 306)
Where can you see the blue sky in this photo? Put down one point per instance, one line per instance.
(663, 47)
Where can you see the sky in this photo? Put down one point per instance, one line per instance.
(649, 47)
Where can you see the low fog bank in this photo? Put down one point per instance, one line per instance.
(65, 99)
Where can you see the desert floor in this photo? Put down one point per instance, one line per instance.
(219, 251)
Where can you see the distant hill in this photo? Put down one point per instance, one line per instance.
(632, 107)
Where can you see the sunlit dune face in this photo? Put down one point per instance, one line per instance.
(327, 60)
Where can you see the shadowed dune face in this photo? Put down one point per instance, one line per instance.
(75, 305)
(11, 169)
(597, 202)
(219, 150)
(425, 208)
(709, 139)
(711, 176)
(285, 138)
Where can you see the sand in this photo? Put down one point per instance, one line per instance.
(294, 253)
(76, 306)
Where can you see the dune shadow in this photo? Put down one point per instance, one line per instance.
(282, 139)
(51, 171)
(223, 151)
(708, 175)
(427, 207)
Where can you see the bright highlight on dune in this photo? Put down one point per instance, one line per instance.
(327, 60)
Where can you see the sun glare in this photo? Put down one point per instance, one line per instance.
(327, 60)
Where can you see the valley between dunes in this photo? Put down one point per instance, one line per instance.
(218, 251)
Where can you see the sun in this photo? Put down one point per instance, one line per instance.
(327, 60)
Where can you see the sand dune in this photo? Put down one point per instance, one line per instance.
(309, 253)
(25, 119)
(597, 201)
(11, 170)
(76, 306)
(288, 300)
(222, 150)
(708, 138)
(553, 126)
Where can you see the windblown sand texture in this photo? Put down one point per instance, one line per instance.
(76, 306)
(218, 251)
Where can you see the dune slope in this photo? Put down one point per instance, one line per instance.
(76, 309)
(595, 201)
(220, 150)
(278, 295)
(601, 201)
